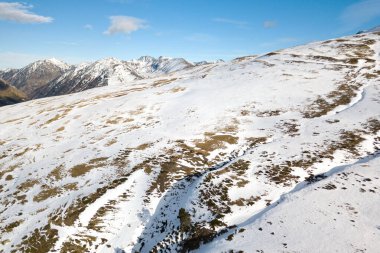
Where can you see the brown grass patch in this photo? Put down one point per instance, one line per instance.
(163, 82)
(55, 118)
(25, 186)
(214, 141)
(81, 169)
(177, 89)
(118, 120)
(71, 186)
(342, 95)
(46, 193)
(9, 228)
(371, 76)
(40, 241)
(110, 142)
(56, 174)
(22, 152)
(8, 177)
(143, 146)
(59, 115)
(60, 129)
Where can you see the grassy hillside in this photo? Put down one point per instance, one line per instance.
(10, 94)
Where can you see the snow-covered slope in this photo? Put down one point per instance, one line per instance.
(175, 161)
(35, 75)
(337, 214)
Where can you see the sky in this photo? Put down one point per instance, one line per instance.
(88, 30)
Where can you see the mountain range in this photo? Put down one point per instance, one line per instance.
(265, 153)
(53, 77)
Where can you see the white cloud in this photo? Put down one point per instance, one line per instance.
(125, 24)
(230, 21)
(269, 24)
(19, 12)
(360, 13)
(88, 27)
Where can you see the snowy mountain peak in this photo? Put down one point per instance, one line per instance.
(208, 62)
(109, 60)
(145, 58)
(58, 63)
(47, 63)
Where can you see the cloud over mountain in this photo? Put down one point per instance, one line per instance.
(125, 24)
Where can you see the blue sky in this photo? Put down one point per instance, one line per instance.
(88, 30)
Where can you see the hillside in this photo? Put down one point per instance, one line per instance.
(198, 154)
(34, 75)
(10, 94)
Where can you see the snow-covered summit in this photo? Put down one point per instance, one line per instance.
(148, 65)
(208, 62)
(44, 64)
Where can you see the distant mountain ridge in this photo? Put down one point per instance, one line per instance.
(53, 77)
